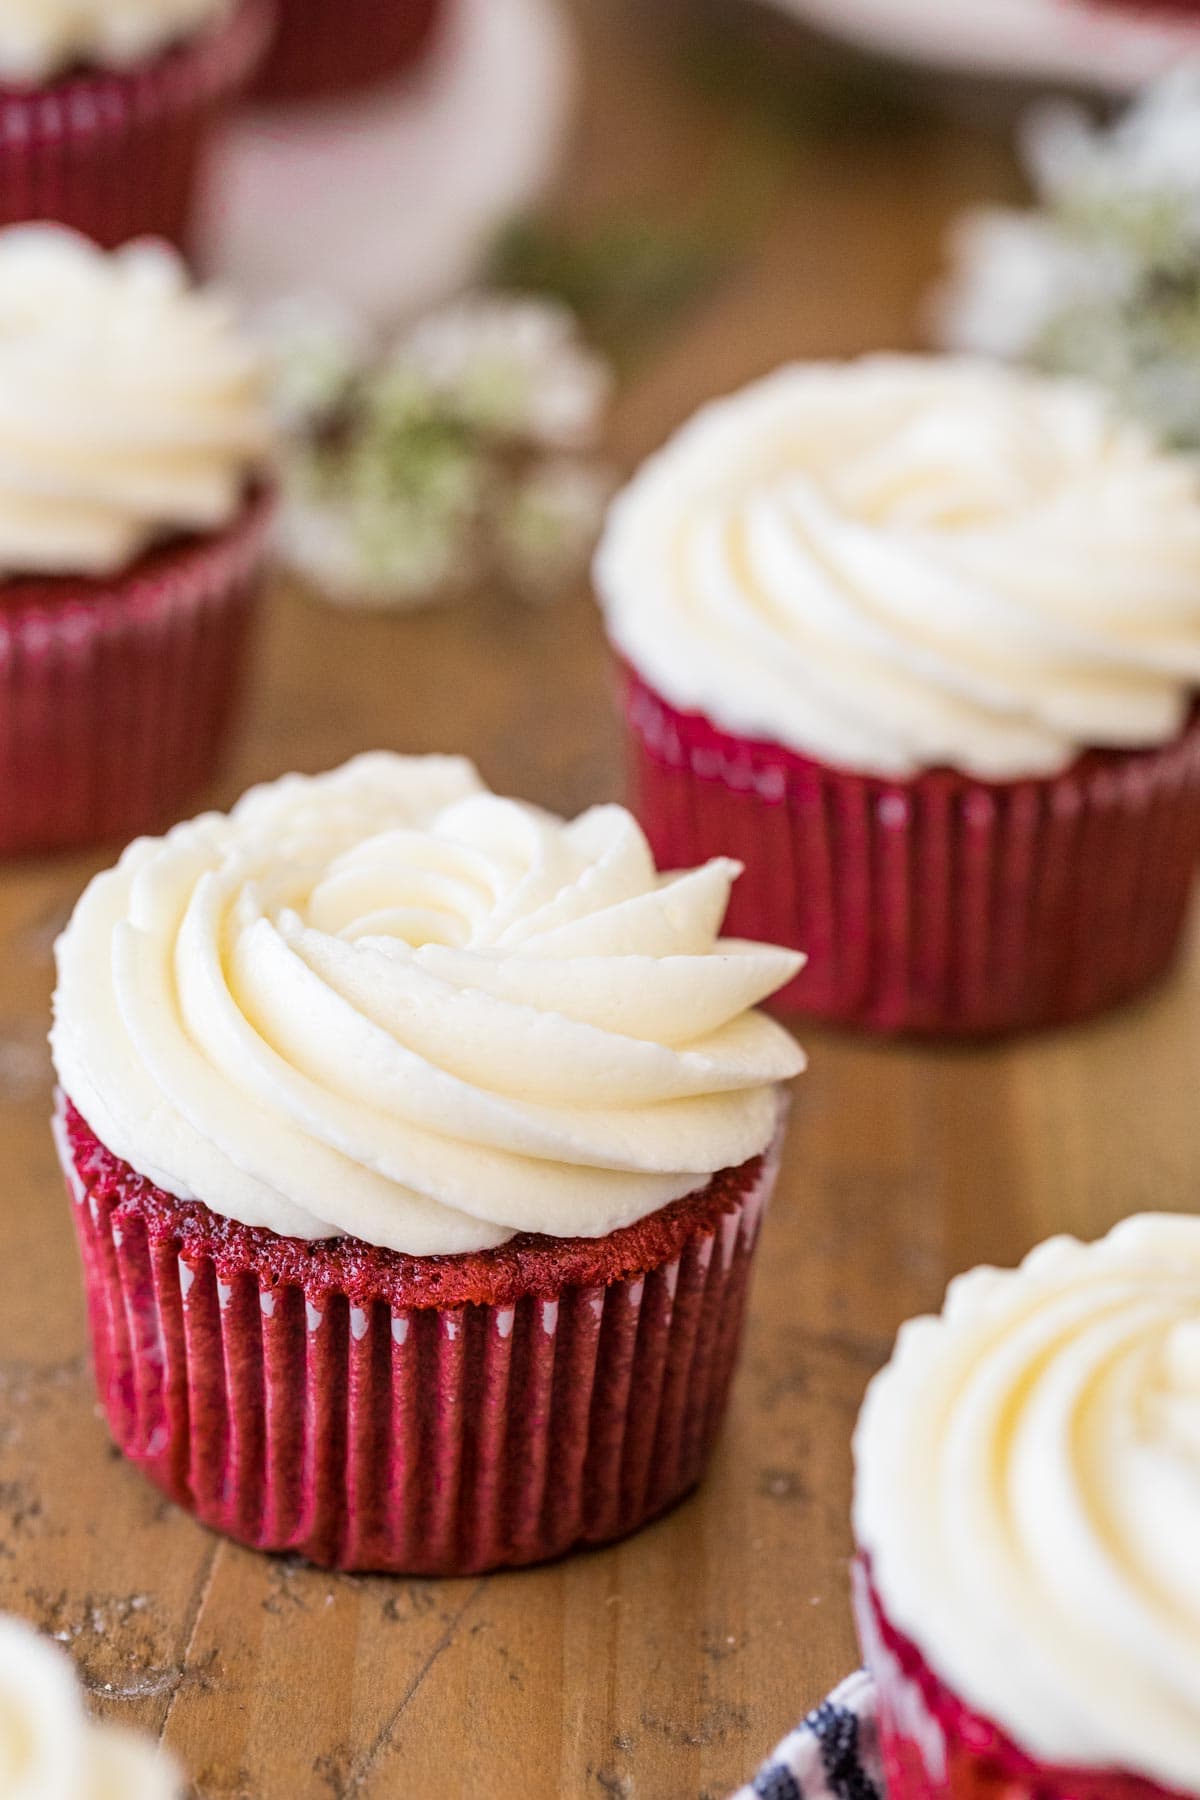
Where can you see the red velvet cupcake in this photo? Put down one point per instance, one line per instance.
(133, 521)
(106, 110)
(1025, 1497)
(323, 48)
(931, 1743)
(390, 1116)
(919, 642)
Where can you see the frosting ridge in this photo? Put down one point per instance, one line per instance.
(130, 407)
(903, 562)
(41, 38)
(1028, 1490)
(388, 1004)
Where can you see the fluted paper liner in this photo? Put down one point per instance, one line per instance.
(117, 153)
(939, 904)
(115, 703)
(932, 1743)
(417, 1439)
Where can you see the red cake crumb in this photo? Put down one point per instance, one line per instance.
(529, 1264)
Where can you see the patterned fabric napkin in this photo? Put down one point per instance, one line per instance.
(833, 1755)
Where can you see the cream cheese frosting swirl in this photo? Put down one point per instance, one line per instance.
(41, 38)
(387, 1003)
(49, 1749)
(130, 407)
(907, 562)
(1028, 1489)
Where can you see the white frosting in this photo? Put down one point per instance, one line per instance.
(49, 1749)
(1028, 1489)
(906, 562)
(387, 1003)
(130, 408)
(41, 38)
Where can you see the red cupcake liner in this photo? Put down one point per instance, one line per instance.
(933, 1744)
(116, 698)
(361, 1409)
(329, 47)
(118, 153)
(939, 904)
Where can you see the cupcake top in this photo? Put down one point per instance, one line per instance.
(49, 1749)
(39, 39)
(386, 1003)
(908, 562)
(1028, 1491)
(130, 407)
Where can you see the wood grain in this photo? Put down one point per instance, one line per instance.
(664, 1668)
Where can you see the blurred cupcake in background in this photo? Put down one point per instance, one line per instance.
(418, 1142)
(918, 642)
(323, 48)
(1026, 1505)
(106, 107)
(134, 506)
(50, 1749)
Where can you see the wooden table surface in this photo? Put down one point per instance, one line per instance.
(666, 1667)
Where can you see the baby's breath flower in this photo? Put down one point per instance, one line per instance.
(1012, 274)
(365, 552)
(445, 457)
(1102, 279)
(315, 350)
(514, 366)
(549, 524)
(1152, 149)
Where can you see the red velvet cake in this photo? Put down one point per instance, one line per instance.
(917, 639)
(1025, 1502)
(919, 1717)
(433, 1415)
(116, 697)
(118, 153)
(484, 1120)
(135, 504)
(938, 905)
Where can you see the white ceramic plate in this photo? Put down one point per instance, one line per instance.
(388, 202)
(1035, 40)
